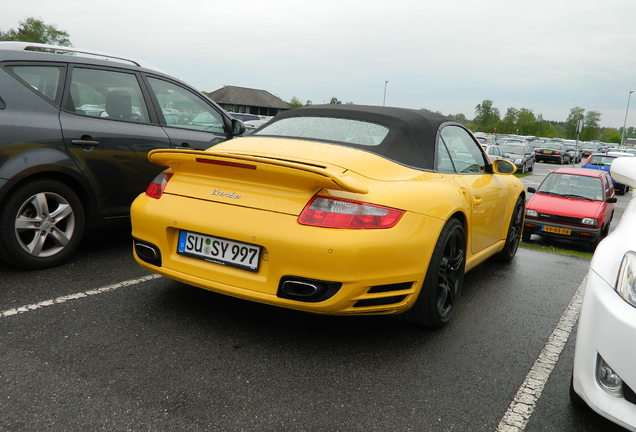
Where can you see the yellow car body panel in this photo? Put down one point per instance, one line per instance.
(202, 198)
(359, 259)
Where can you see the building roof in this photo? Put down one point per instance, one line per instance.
(233, 95)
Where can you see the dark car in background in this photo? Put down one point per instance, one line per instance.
(552, 151)
(574, 151)
(521, 154)
(75, 133)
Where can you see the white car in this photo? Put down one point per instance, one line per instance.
(604, 374)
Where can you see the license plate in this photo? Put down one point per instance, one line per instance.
(556, 230)
(219, 250)
(547, 152)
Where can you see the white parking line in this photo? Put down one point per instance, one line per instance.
(524, 402)
(64, 299)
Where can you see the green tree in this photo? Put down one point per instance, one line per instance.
(610, 135)
(461, 118)
(526, 122)
(486, 116)
(35, 30)
(508, 123)
(576, 114)
(335, 101)
(295, 102)
(591, 126)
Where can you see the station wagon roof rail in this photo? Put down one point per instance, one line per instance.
(32, 46)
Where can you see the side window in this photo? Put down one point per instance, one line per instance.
(107, 94)
(43, 79)
(184, 109)
(443, 159)
(464, 151)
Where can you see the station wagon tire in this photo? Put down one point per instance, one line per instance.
(41, 224)
(515, 232)
(443, 281)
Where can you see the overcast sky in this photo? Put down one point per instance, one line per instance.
(545, 55)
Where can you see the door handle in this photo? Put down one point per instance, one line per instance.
(476, 200)
(85, 141)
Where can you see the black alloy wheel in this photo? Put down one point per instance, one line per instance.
(41, 224)
(515, 232)
(444, 279)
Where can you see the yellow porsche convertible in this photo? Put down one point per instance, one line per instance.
(333, 209)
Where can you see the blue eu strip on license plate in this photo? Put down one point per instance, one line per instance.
(219, 250)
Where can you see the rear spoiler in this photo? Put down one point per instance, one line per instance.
(322, 176)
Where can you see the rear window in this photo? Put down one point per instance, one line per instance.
(554, 146)
(328, 129)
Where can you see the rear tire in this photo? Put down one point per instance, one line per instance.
(444, 279)
(41, 224)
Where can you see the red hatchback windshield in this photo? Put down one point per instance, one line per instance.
(572, 186)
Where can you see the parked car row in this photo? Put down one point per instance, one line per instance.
(227, 214)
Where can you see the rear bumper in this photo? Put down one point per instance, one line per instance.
(577, 233)
(549, 158)
(361, 260)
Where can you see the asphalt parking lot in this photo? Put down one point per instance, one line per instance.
(99, 344)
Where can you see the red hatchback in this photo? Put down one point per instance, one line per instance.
(572, 204)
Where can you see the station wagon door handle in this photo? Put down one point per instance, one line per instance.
(476, 200)
(85, 143)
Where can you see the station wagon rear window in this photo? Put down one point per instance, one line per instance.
(342, 130)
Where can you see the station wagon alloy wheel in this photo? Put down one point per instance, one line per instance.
(42, 224)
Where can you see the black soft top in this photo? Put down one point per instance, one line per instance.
(411, 138)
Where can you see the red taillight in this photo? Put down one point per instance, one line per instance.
(155, 189)
(557, 153)
(337, 213)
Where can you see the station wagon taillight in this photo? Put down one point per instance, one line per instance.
(156, 187)
(329, 212)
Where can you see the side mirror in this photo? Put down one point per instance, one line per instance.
(503, 166)
(531, 189)
(611, 200)
(238, 127)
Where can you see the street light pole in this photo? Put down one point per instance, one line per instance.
(384, 100)
(625, 122)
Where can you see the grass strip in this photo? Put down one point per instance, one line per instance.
(556, 250)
